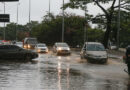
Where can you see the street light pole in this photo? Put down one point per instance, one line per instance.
(85, 28)
(29, 11)
(49, 8)
(17, 19)
(63, 23)
(4, 22)
(118, 30)
(29, 18)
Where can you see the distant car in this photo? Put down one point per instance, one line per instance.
(94, 52)
(13, 52)
(20, 44)
(41, 48)
(112, 45)
(61, 48)
(30, 43)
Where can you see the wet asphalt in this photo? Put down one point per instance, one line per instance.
(52, 72)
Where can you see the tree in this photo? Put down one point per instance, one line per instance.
(125, 4)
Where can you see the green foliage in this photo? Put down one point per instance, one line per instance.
(125, 4)
(50, 30)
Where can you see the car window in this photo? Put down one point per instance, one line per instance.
(62, 45)
(13, 47)
(3, 47)
(95, 47)
(41, 45)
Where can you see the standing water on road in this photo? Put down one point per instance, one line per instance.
(52, 72)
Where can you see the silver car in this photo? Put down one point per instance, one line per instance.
(61, 48)
(41, 48)
(94, 52)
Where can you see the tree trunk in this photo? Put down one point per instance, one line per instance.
(107, 33)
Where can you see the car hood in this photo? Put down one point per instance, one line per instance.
(42, 47)
(97, 53)
(63, 48)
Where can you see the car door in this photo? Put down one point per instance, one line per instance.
(11, 52)
(17, 52)
(3, 52)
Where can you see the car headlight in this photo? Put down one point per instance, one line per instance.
(46, 50)
(38, 50)
(25, 46)
(68, 49)
(59, 48)
(29, 46)
(104, 56)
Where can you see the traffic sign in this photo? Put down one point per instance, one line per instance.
(4, 18)
(8, 0)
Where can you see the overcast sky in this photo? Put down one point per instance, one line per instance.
(39, 8)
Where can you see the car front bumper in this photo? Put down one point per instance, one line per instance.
(91, 59)
(34, 55)
(63, 52)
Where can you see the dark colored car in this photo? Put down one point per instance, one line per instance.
(13, 52)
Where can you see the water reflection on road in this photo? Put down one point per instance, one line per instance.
(53, 72)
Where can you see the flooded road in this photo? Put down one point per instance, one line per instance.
(51, 72)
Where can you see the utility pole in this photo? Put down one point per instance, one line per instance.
(29, 18)
(29, 11)
(17, 19)
(4, 22)
(85, 28)
(49, 8)
(118, 30)
(63, 23)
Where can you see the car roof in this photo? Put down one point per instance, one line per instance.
(60, 43)
(8, 45)
(41, 44)
(28, 38)
(93, 43)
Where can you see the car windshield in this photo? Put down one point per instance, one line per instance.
(62, 45)
(41, 45)
(95, 47)
(32, 41)
(19, 43)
